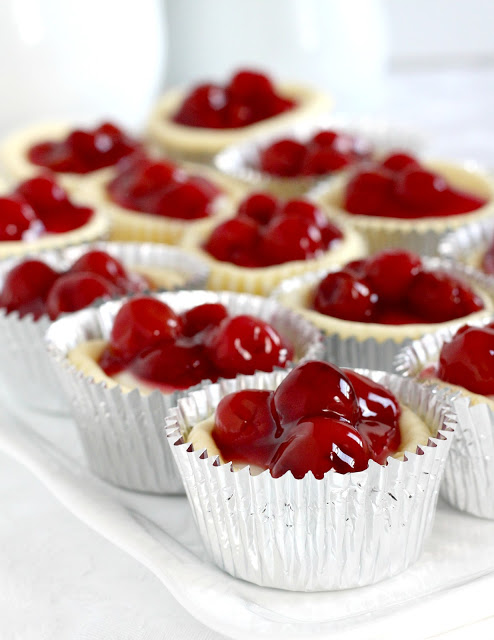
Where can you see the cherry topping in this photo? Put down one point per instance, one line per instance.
(248, 98)
(391, 272)
(319, 418)
(318, 444)
(400, 187)
(299, 395)
(74, 291)
(16, 217)
(161, 188)
(244, 344)
(392, 287)
(283, 158)
(143, 322)
(467, 359)
(83, 151)
(26, 287)
(102, 264)
(204, 316)
(342, 295)
(267, 232)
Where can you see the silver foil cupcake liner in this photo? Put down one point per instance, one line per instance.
(422, 235)
(26, 371)
(371, 353)
(468, 481)
(241, 161)
(306, 534)
(469, 243)
(122, 433)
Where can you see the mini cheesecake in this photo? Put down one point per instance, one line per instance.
(38, 214)
(196, 125)
(150, 199)
(404, 202)
(270, 240)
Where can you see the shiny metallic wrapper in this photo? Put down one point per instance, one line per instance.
(352, 350)
(468, 244)
(468, 481)
(122, 433)
(241, 161)
(26, 371)
(345, 530)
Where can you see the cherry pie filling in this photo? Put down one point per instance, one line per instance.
(84, 151)
(325, 152)
(34, 287)
(321, 417)
(467, 360)
(37, 207)
(249, 97)
(162, 189)
(393, 287)
(400, 187)
(268, 232)
(174, 351)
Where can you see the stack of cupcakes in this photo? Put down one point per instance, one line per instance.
(214, 366)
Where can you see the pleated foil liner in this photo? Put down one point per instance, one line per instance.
(422, 235)
(346, 530)
(468, 244)
(373, 353)
(468, 481)
(26, 370)
(240, 161)
(122, 433)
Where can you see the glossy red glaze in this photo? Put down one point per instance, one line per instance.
(400, 187)
(161, 188)
(201, 343)
(26, 288)
(74, 291)
(267, 232)
(83, 151)
(248, 98)
(16, 218)
(392, 287)
(467, 359)
(320, 418)
(324, 153)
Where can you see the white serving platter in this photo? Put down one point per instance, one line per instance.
(450, 587)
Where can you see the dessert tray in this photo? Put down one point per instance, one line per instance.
(449, 587)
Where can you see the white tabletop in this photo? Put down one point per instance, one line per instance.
(61, 580)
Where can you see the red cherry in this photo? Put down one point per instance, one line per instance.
(102, 264)
(418, 187)
(260, 207)
(244, 422)
(322, 161)
(467, 360)
(204, 316)
(74, 291)
(187, 201)
(143, 322)
(26, 287)
(375, 401)
(390, 273)
(247, 86)
(244, 344)
(316, 388)
(342, 295)
(291, 238)
(381, 440)
(368, 192)
(283, 158)
(356, 268)
(174, 364)
(42, 193)
(323, 139)
(16, 217)
(233, 241)
(203, 107)
(396, 162)
(318, 444)
(438, 297)
(150, 176)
